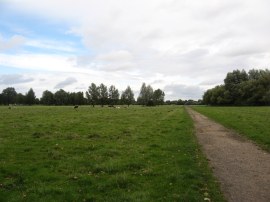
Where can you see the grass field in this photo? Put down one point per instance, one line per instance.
(253, 122)
(101, 154)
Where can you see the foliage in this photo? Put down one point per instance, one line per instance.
(51, 153)
(149, 97)
(127, 96)
(241, 88)
(93, 94)
(158, 97)
(113, 95)
(30, 97)
(9, 96)
(47, 98)
(103, 94)
(253, 122)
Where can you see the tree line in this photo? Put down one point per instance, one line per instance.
(95, 95)
(241, 88)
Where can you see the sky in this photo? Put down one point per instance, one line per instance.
(183, 47)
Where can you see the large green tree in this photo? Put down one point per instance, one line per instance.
(241, 88)
(61, 97)
(20, 98)
(158, 97)
(113, 95)
(93, 94)
(146, 95)
(127, 96)
(9, 95)
(47, 98)
(103, 93)
(30, 97)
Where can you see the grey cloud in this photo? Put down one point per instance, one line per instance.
(66, 82)
(158, 81)
(244, 51)
(182, 91)
(9, 79)
(194, 54)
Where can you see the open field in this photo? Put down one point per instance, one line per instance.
(102, 154)
(253, 122)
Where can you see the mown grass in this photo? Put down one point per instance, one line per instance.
(253, 122)
(101, 154)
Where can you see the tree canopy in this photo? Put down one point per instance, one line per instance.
(149, 97)
(241, 88)
(95, 95)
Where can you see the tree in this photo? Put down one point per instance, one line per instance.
(30, 97)
(127, 96)
(9, 95)
(61, 97)
(241, 88)
(103, 93)
(232, 83)
(20, 98)
(146, 95)
(93, 94)
(149, 96)
(1, 99)
(47, 98)
(142, 96)
(158, 97)
(79, 98)
(113, 95)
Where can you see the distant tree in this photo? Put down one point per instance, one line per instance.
(142, 96)
(47, 98)
(158, 97)
(9, 95)
(241, 88)
(127, 96)
(61, 97)
(20, 98)
(103, 92)
(232, 83)
(146, 95)
(37, 101)
(113, 95)
(79, 98)
(1, 99)
(180, 102)
(30, 97)
(93, 94)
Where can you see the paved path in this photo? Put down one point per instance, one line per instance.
(242, 168)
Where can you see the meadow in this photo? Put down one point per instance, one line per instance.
(102, 154)
(252, 122)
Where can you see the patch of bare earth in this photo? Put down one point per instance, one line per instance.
(242, 168)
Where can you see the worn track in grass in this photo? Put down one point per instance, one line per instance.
(242, 168)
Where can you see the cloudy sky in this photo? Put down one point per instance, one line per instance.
(181, 46)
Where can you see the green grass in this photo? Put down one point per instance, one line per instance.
(101, 154)
(253, 122)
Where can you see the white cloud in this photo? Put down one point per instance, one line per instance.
(189, 45)
(39, 62)
(51, 45)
